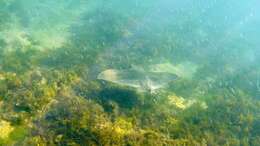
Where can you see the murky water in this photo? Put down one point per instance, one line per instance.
(137, 72)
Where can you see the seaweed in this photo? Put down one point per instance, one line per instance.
(50, 95)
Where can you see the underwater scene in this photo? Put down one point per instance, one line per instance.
(129, 73)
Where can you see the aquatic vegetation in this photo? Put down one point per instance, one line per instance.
(180, 102)
(71, 73)
(5, 129)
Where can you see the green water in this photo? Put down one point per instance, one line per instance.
(82, 72)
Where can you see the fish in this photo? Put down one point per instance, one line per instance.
(185, 70)
(145, 81)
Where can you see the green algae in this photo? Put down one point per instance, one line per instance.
(50, 97)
